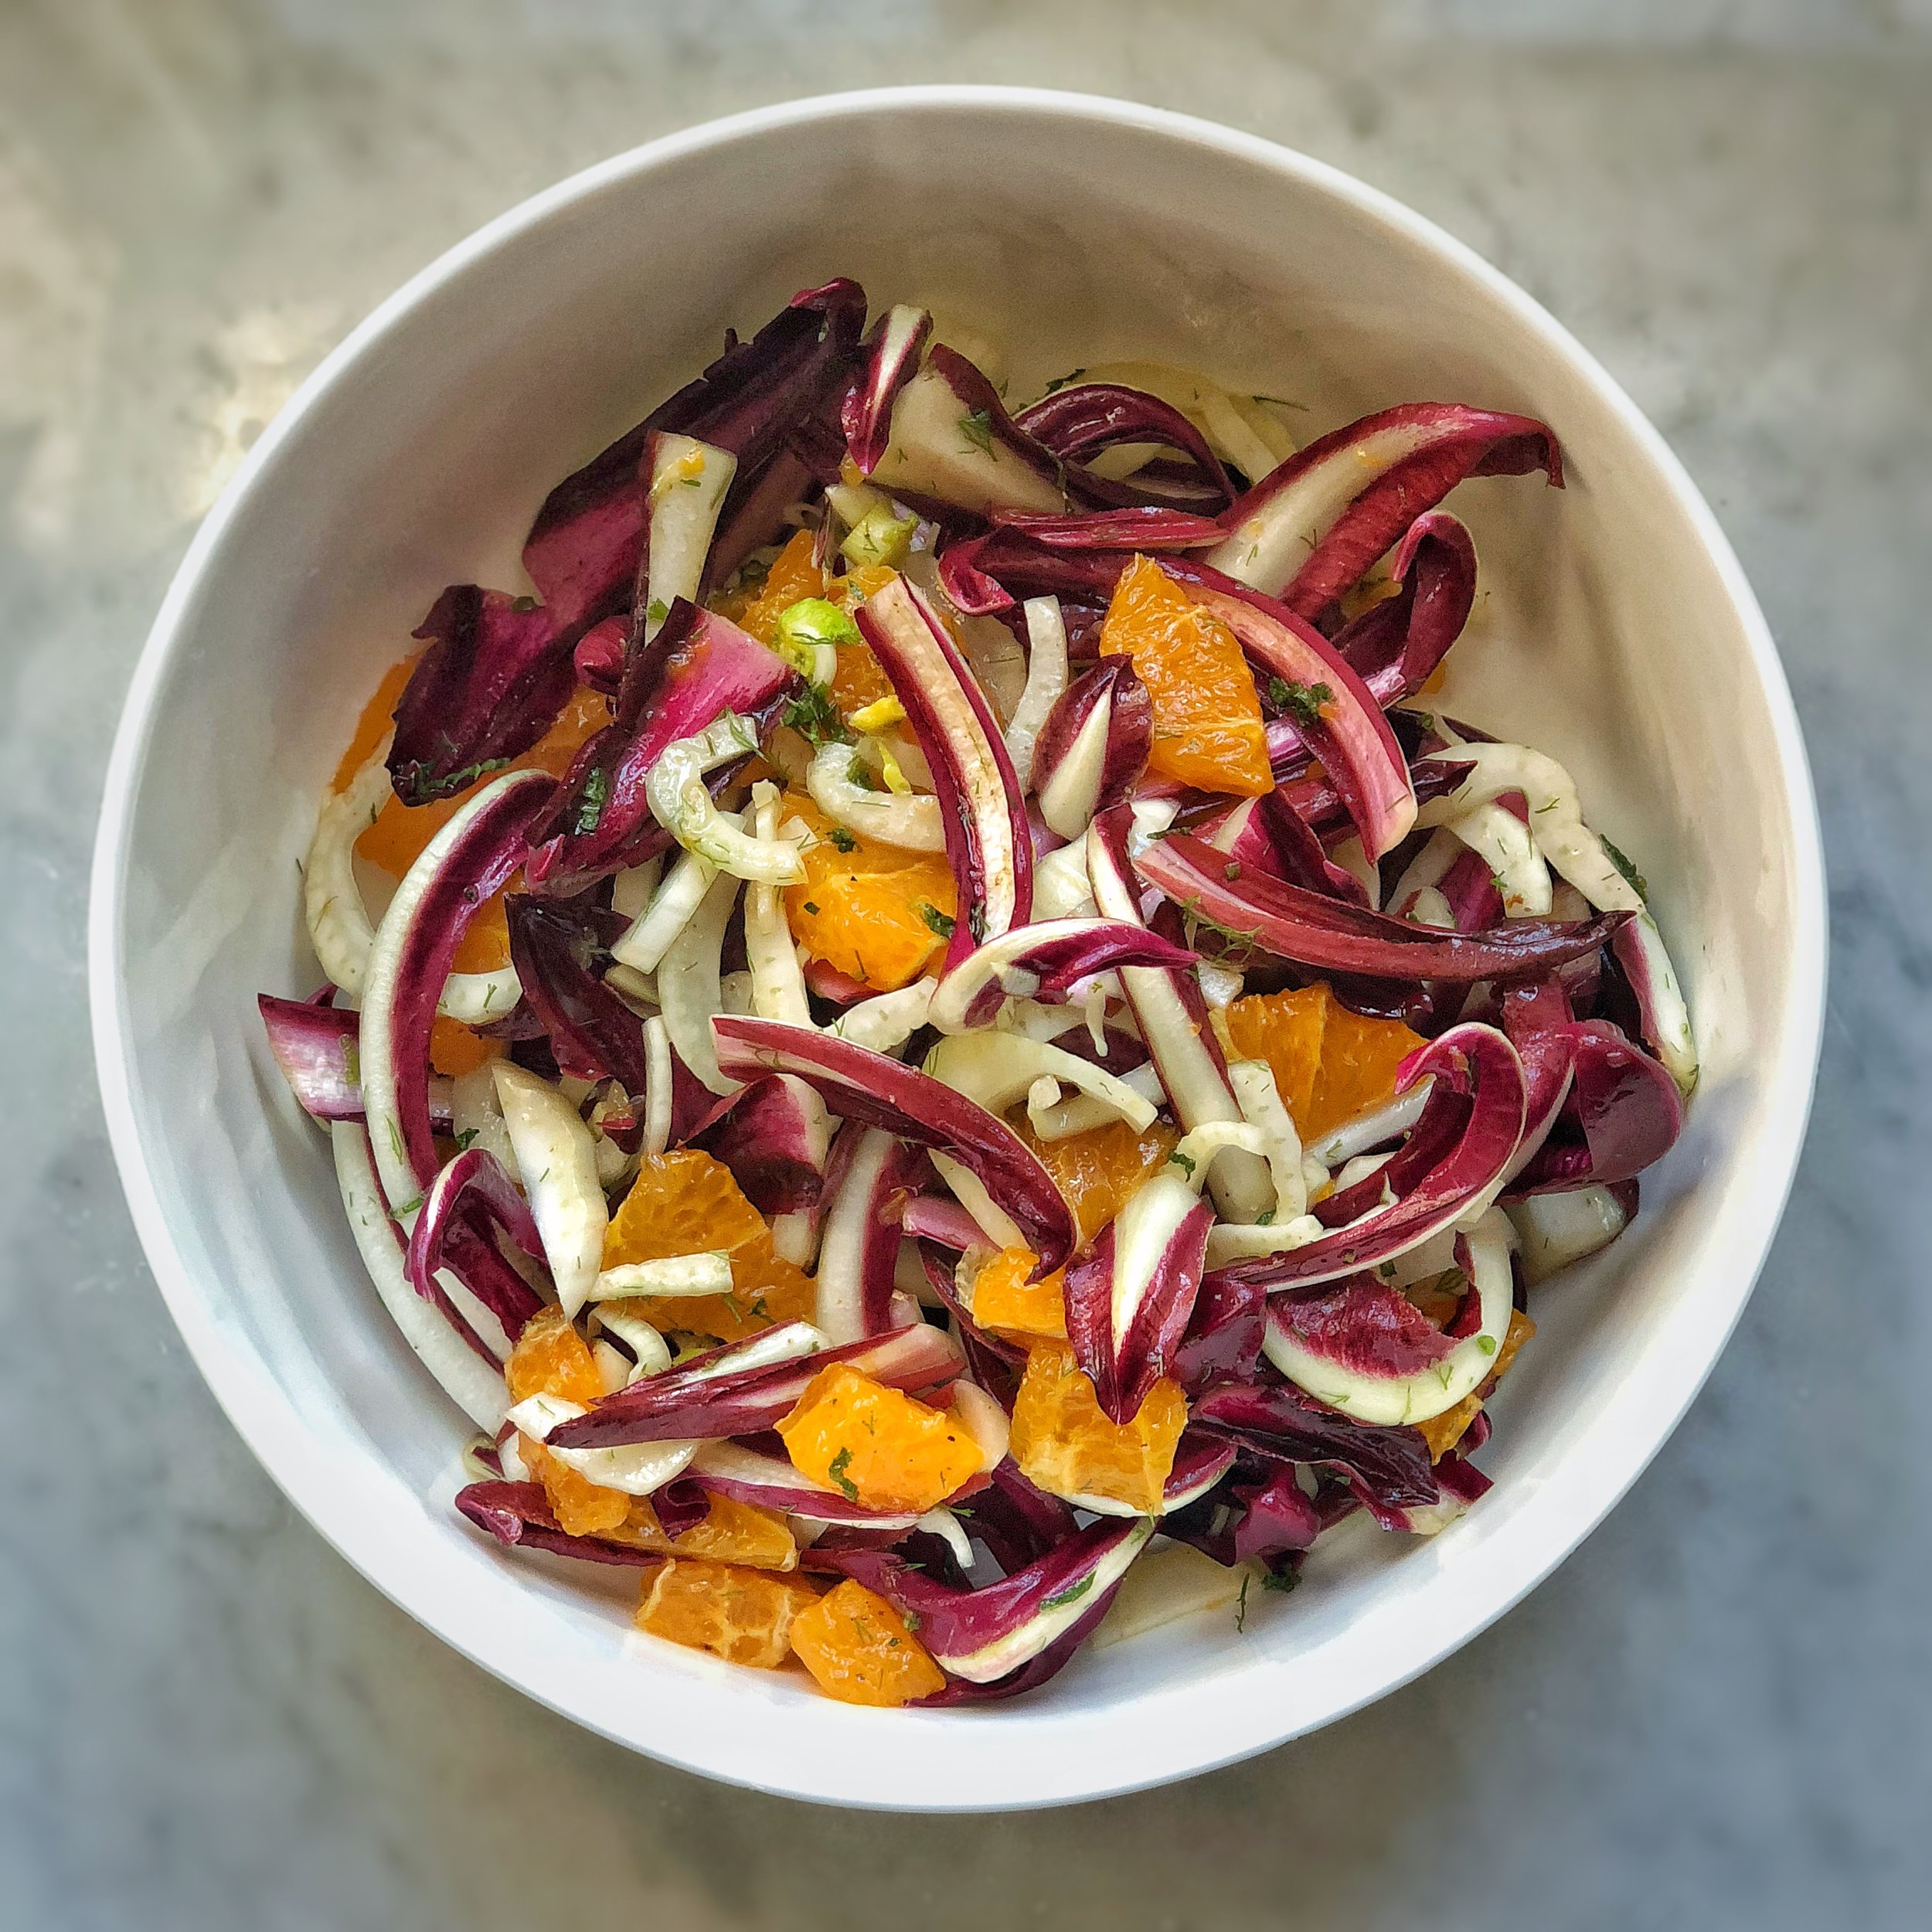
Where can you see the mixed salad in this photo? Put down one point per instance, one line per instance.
(934, 1038)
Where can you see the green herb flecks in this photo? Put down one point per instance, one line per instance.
(1060, 381)
(976, 427)
(657, 610)
(1632, 877)
(842, 839)
(591, 801)
(937, 920)
(815, 718)
(1241, 1604)
(840, 1464)
(1185, 1162)
(1071, 1594)
(1281, 1580)
(1303, 702)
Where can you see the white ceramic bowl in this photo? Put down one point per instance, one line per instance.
(1618, 634)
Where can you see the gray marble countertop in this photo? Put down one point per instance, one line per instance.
(1716, 1715)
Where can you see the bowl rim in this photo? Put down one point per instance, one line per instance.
(245, 1390)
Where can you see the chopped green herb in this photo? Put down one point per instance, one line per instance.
(1071, 1594)
(352, 1062)
(1185, 1162)
(1632, 876)
(1265, 1218)
(840, 1464)
(523, 603)
(937, 920)
(1387, 1269)
(1241, 1604)
(976, 427)
(1060, 381)
(657, 610)
(842, 838)
(815, 718)
(591, 800)
(810, 908)
(1232, 870)
(1303, 702)
(910, 1619)
(425, 792)
(1282, 402)
(1283, 1580)
(1487, 1343)
(464, 1137)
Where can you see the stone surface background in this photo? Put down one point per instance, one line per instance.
(1716, 1715)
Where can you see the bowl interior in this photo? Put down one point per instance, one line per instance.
(1613, 632)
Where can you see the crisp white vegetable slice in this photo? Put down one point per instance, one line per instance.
(636, 1468)
(1556, 1229)
(707, 1274)
(690, 983)
(689, 480)
(557, 1157)
(681, 804)
(1046, 679)
(909, 819)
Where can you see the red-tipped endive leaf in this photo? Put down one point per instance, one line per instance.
(1129, 1297)
(1308, 531)
(696, 1401)
(1093, 745)
(1346, 730)
(1323, 933)
(469, 1370)
(953, 442)
(857, 1084)
(983, 1635)
(858, 1251)
(891, 360)
(584, 550)
(1268, 834)
(1396, 645)
(698, 666)
(1078, 421)
(315, 1047)
(773, 1136)
(492, 682)
(1363, 1347)
(1476, 1071)
(599, 655)
(1173, 1017)
(561, 956)
(471, 858)
(1389, 1465)
(1258, 1511)
(1200, 1461)
(467, 1203)
(1042, 962)
(939, 1218)
(1626, 1110)
(1538, 1022)
(988, 843)
(1148, 528)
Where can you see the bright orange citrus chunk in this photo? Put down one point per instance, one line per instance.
(881, 1448)
(1442, 1432)
(1006, 1302)
(861, 1651)
(860, 679)
(456, 1048)
(1065, 1445)
(686, 1203)
(1207, 719)
(1097, 1168)
(731, 1532)
(793, 576)
(374, 723)
(741, 1615)
(552, 1358)
(1330, 1064)
(875, 912)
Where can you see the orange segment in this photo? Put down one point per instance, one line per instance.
(1066, 1446)
(552, 1358)
(456, 1048)
(731, 1532)
(1098, 1168)
(374, 722)
(686, 1203)
(861, 1651)
(859, 680)
(738, 1615)
(882, 1448)
(1004, 1301)
(1330, 1064)
(875, 912)
(793, 575)
(1207, 719)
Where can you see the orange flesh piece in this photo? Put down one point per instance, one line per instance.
(859, 1650)
(731, 1532)
(1097, 1168)
(1066, 1446)
(686, 1203)
(1329, 1064)
(793, 576)
(1007, 1303)
(552, 1358)
(876, 1445)
(1207, 719)
(741, 1615)
(864, 910)
(1442, 1432)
